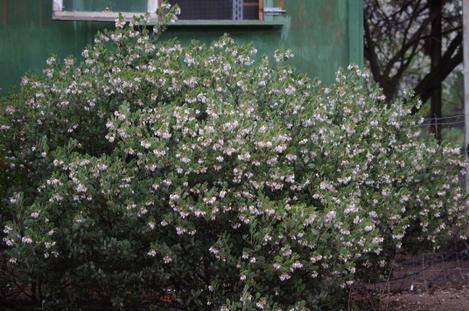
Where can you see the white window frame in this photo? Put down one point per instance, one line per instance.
(266, 14)
(58, 13)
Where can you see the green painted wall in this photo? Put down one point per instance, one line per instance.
(324, 35)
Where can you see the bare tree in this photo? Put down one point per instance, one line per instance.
(417, 43)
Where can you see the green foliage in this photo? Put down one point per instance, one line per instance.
(453, 94)
(453, 105)
(227, 181)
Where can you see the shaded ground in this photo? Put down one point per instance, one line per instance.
(422, 282)
(426, 281)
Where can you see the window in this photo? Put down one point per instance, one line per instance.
(232, 11)
(218, 9)
(102, 10)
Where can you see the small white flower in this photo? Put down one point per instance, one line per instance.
(8, 242)
(145, 144)
(330, 216)
(289, 54)
(50, 61)
(260, 305)
(280, 148)
(284, 277)
(26, 240)
(102, 167)
(290, 90)
(368, 228)
(297, 265)
(180, 230)
(213, 250)
(81, 188)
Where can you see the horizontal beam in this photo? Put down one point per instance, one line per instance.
(274, 11)
(227, 22)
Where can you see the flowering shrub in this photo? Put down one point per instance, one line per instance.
(206, 177)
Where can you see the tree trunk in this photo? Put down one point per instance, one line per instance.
(436, 10)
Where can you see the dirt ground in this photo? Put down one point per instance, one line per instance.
(429, 281)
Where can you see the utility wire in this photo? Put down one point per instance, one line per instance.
(444, 118)
(442, 123)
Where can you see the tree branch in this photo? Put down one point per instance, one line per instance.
(449, 62)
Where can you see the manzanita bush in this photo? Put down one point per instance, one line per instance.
(160, 176)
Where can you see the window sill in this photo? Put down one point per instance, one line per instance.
(230, 23)
(112, 16)
(96, 16)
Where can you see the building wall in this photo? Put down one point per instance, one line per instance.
(323, 34)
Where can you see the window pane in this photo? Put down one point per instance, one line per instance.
(101, 5)
(251, 9)
(205, 9)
